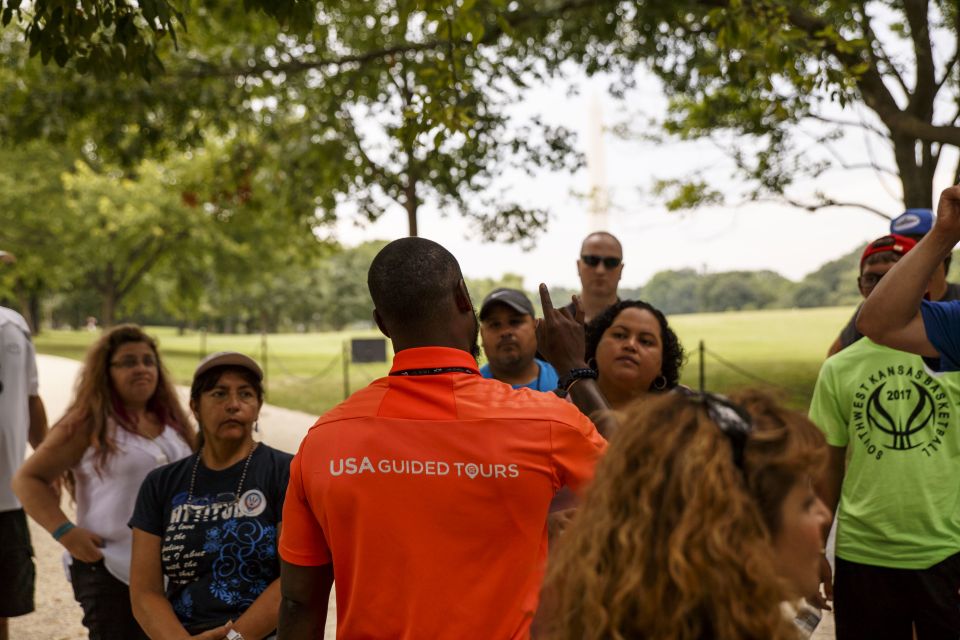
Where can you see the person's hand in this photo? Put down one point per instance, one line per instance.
(217, 633)
(7, 258)
(948, 213)
(83, 545)
(560, 337)
(558, 521)
(819, 599)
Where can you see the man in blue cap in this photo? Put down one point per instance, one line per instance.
(914, 224)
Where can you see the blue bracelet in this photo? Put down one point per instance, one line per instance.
(62, 530)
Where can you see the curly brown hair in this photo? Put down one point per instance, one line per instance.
(95, 401)
(673, 540)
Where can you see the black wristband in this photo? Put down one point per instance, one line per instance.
(564, 384)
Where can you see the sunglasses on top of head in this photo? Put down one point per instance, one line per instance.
(610, 262)
(732, 420)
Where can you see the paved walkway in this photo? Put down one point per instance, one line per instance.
(57, 615)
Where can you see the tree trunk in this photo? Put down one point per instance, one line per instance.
(410, 203)
(916, 178)
(33, 305)
(108, 306)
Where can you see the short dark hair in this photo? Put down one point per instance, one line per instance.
(209, 379)
(673, 354)
(409, 277)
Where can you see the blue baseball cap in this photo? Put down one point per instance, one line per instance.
(912, 222)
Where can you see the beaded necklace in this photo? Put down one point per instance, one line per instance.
(243, 475)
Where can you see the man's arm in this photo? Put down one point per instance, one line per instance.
(304, 597)
(38, 422)
(891, 313)
(560, 339)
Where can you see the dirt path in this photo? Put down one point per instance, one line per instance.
(57, 615)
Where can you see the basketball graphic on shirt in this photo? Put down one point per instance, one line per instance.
(252, 503)
(902, 431)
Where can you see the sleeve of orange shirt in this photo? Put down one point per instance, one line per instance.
(302, 541)
(577, 446)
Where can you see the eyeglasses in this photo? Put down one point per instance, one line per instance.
(732, 420)
(132, 361)
(869, 280)
(610, 262)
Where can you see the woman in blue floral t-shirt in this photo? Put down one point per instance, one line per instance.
(209, 524)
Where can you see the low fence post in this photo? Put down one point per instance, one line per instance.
(703, 369)
(346, 369)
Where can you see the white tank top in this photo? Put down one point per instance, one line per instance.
(105, 501)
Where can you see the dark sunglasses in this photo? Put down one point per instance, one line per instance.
(609, 262)
(869, 280)
(732, 420)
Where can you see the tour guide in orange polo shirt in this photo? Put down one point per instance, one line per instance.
(426, 493)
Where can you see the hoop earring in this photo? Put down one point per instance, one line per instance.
(660, 382)
(592, 363)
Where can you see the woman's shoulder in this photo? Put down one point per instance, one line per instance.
(171, 471)
(277, 456)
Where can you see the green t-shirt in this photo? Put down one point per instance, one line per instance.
(900, 501)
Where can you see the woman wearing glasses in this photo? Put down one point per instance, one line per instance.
(701, 520)
(634, 351)
(124, 421)
(208, 525)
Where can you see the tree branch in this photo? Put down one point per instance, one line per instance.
(130, 279)
(491, 35)
(849, 123)
(878, 54)
(825, 203)
(921, 103)
(948, 70)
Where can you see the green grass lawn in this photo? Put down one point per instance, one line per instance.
(303, 371)
(780, 350)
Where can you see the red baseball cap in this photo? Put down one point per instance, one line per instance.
(897, 244)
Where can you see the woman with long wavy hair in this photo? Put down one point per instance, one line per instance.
(701, 520)
(124, 420)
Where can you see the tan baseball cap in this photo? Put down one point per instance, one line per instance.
(228, 358)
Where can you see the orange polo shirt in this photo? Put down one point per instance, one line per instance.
(429, 494)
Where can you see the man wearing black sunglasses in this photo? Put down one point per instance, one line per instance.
(599, 266)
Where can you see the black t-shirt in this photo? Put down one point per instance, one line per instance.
(849, 334)
(218, 553)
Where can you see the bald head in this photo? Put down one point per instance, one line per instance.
(604, 237)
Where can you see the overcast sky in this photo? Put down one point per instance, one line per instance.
(757, 236)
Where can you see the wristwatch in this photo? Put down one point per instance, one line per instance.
(233, 634)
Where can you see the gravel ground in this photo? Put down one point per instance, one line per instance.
(57, 615)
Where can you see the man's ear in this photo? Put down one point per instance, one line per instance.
(462, 297)
(380, 323)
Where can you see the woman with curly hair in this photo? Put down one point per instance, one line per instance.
(634, 351)
(701, 520)
(124, 420)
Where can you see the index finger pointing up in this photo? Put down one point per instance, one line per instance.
(545, 300)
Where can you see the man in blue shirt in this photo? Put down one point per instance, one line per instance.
(508, 334)
(896, 315)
